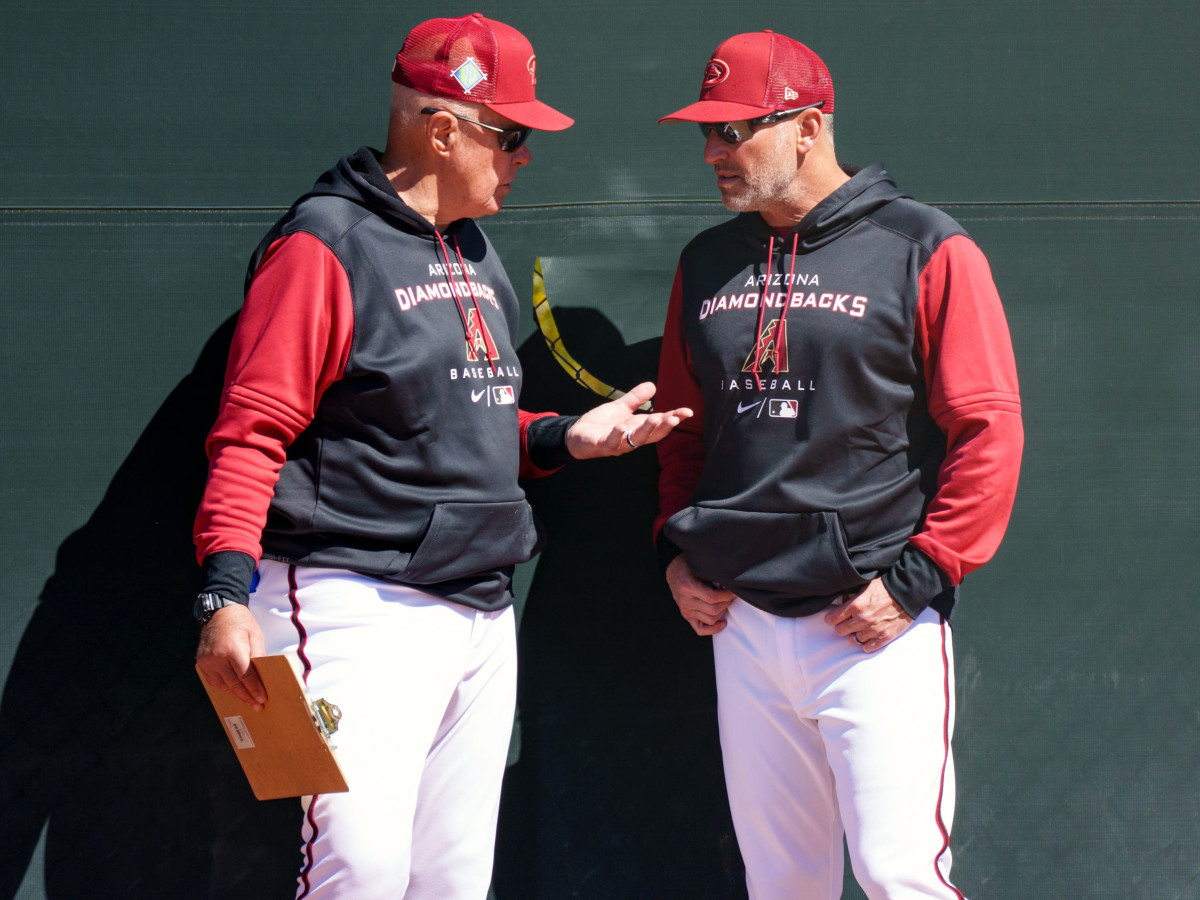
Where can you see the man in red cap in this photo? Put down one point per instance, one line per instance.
(854, 454)
(362, 510)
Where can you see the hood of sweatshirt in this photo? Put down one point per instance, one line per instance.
(360, 179)
(867, 190)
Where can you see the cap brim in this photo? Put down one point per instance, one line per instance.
(533, 114)
(717, 111)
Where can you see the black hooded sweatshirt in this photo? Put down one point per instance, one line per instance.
(369, 419)
(857, 406)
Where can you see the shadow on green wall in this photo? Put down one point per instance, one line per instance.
(117, 753)
(618, 793)
(114, 750)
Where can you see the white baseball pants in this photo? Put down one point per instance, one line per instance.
(820, 739)
(427, 691)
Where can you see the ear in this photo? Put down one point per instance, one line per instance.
(809, 125)
(441, 132)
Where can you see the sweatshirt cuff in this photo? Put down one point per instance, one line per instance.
(546, 441)
(915, 580)
(667, 551)
(228, 573)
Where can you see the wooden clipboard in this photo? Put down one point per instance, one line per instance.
(284, 749)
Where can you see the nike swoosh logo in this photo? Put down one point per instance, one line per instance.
(475, 395)
(747, 406)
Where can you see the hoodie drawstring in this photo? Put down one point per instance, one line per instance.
(781, 327)
(762, 308)
(467, 331)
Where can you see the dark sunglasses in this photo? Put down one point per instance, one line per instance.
(743, 130)
(511, 139)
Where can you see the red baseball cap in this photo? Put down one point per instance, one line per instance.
(758, 73)
(479, 60)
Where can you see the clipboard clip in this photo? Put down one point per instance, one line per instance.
(327, 715)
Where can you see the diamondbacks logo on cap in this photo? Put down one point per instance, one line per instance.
(771, 348)
(532, 67)
(479, 339)
(716, 72)
(469, 75)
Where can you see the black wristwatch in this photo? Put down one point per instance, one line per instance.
(207, 604)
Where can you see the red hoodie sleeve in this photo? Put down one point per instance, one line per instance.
(291, 343)
(680, 453)
(971, 378)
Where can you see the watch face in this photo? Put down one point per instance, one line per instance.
(206, 605)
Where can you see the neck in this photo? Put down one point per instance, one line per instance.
(417, 190)
(814, 182)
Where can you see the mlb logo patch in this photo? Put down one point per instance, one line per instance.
(784, 409)
(469, 75)
(503, 395)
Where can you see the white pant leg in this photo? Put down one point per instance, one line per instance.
(879, 762)
(423, 685)
(458, 806)
(887, 720)
(781, 790)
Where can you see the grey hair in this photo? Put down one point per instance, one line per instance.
(827, 127)
(408, 103)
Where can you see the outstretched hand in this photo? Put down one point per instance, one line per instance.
(616, 427)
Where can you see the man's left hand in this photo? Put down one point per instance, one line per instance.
(872, 619)
(616, 427)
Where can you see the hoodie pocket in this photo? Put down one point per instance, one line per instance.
(766, 557)
(465, 539)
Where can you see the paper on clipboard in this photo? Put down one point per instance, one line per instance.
(284, 748)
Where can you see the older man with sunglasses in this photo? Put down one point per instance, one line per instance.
(362, 510)
(854, 454)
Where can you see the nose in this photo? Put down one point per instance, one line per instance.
(715, 149)
(523, 156)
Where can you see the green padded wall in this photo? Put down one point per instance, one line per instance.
(145, 148)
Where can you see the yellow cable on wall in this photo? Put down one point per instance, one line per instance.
(549, 329)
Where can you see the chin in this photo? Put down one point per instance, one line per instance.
(735, 202)
(488, 208)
